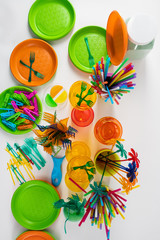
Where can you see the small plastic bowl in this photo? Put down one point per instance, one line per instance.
(11, 91)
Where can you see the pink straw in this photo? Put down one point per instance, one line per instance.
(77, 185)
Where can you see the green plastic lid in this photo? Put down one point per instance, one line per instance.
(78, 50)
(32, 205)
(11, 91)
(51, 19)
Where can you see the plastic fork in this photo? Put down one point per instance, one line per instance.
(37, 74)
(33, 145)
(48, 117)
(89, 102)
(28, 152)
(31, 59)
(91, 58)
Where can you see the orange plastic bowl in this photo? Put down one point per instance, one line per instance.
(116, 38)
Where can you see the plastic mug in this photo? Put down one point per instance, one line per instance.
(78, 149)
(79, 175)
(108, 129)
(100, 163)
(141, 30)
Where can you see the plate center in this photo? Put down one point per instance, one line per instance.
(52, 19)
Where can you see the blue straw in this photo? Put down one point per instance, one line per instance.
(109, 95)
(106, 67)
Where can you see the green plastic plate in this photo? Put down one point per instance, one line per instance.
(77, 47)
(32, 205)
(51, 19)
(11, 91)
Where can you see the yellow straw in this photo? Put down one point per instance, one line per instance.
(27, 171)
(120, 213)
(108, 221)
(25, 161)
(127, 74)
(116, 78)
(31, 173)
(18, 165)
(10, 162)
(9, 168)
(132, 188)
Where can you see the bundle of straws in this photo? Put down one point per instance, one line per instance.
(56, 134)
(114, 166)
(112, 86)
(103, 205)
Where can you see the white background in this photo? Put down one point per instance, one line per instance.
(138, 113)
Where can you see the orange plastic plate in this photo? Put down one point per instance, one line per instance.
(116, 38)
(35, 235)
(45, 61)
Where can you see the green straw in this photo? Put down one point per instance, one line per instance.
(120, 67)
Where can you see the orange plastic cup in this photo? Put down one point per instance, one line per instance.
(108, 129)
(100, 165)
(76, 89)
(78, 149)
(79, 175)
(82, 118)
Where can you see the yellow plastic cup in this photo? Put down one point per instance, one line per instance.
(79, 175)
(99, 165)
(78, 149)
(76, 89)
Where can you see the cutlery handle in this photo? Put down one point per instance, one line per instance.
(56, 176)
(87, 44)
(35, 72)
(24, 64)
(30, 71)
(36, 164)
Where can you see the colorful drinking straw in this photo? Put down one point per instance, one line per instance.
(114, 166)
(112, 86)
(103, 205)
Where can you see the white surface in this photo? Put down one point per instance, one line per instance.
(139, 114)
(141, 29)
